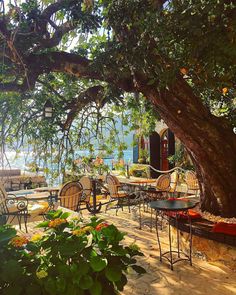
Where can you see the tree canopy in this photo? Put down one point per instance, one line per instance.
(117, 41)
(179, 54)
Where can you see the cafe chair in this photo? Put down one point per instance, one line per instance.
(160, 192)
(174, 178)
(70, 195)
(19, 208)
(121, 197)
(192, 183)
(12, 208)
(87, 186)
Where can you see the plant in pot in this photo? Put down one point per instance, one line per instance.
(143, 156)
(69, 257)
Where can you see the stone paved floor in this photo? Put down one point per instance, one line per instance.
(201, 278)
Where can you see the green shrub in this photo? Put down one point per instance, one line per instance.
(139, 170)
(69, 257)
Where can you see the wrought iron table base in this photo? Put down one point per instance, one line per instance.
(169, 254)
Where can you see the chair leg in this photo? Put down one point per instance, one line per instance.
(151, 220)
(129, 204)
(117, 208)
(140, 215)
(19, 221)
(25, 221)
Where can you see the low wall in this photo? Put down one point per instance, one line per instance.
(212, 251)
(10, 172)
(14, 183)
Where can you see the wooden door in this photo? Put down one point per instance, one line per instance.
(154, 152)
(164, 154)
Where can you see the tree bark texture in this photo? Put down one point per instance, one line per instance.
(210, 141)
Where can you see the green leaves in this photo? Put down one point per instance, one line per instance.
(12, 271)
(86, 282)
(63, 262)
(42, 224)
(97, 263)
(96, 288)
(113, 273)
(6, 234)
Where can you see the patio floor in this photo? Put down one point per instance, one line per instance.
(201, 278)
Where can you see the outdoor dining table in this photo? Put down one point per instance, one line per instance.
(168, 207)
(143, 181)
(37, 196)
(52, 190)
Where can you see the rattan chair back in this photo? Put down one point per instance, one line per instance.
(86, 183)
(163, 182)
(174, 177)
(113, 185)
(70, 195)
(3, 197)
(191, 180)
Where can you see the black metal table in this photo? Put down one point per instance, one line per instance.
(176, 206)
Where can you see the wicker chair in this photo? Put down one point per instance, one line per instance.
(163, 187)
(70, 195)
(163, 182)
(122, 198)
(192, 182)
(101, 191)
(174, 177)
(87, 186)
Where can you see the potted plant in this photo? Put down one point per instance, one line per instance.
(143, 156)
(69, 257)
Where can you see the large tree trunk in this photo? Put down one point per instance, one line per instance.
(210, 141)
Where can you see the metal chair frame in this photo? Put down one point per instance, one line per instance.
(71, 200)
(12, 206)
(123, 198)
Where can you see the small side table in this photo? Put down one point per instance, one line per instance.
(177, 206)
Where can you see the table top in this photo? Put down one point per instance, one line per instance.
(37, 196)
(172, 205)
(47, 189)
(143, 181)
(153, 190)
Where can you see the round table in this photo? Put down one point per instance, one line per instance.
(177, 207)
(52, 190)
(172, 205)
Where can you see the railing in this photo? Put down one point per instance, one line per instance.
(163, 172)
(167, 171)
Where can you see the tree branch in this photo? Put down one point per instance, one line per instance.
(93, 94)
(54, 7)
(57, 36)
(70, 63)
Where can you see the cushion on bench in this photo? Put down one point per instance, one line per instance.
(192, 214)
(226, 228)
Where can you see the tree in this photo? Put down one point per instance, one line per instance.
(179, 54)
(82, 120)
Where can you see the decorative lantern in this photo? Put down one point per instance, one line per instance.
(48, 110)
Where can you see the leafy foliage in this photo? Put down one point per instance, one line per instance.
(179, 54)
(70, 257)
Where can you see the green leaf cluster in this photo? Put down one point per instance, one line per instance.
(70, 257)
